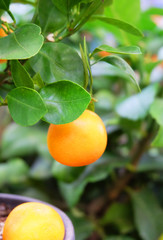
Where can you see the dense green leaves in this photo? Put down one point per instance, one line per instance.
(120, 24)
(24, 43)
(20, 76)
(26, 106)
(92, 173)
(53, 63)
(156, 110)
(65, 101)
(120, 50)
(137, 106)
(51, 19)
(148, 214)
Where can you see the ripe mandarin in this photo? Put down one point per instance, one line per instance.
(33, 221)
(80, 142)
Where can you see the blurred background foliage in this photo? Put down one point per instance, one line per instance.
(119, 197)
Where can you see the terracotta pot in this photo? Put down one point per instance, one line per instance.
(14, 200)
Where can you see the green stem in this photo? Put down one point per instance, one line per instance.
(11, 15)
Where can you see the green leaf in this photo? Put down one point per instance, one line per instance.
(38, 80)
(24, 43)
(20, 76)
(26, 106)
(13, 172)
(22, 141)
(148, 214)
(120, 24)
(4, 4)
(123, 10)
(93, 173)
(156, 110)
(120, 215)
(120, 50)
(65, 5)
(65, 101)
(51, 19)
(137, 106)
(124, 66)
(53, 63)
(158, 141)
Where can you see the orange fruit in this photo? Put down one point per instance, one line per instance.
(33, 221)
(2, 34)
(78, 143)
(104, 54)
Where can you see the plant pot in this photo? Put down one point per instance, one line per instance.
(14, 200)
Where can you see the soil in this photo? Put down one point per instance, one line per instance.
(4, 211)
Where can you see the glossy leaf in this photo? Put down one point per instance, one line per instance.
(158, 141)
(13, 172)
(51, 19)
(148, 214)
(136, 107)
(53, 63)
(24, 43)
(120, 24)
(26, 106)
(65, 101)
(20, 76)
(93, 173)
(120, 50)
(156, 110)
(124, 66)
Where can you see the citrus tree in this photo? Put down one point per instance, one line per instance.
(51, 71)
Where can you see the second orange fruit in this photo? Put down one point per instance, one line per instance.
(80, 142)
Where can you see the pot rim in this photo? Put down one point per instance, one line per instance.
(15, 200)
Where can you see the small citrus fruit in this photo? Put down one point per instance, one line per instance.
(33, 221)
(80, 142)
(104, 54)
(2, 34)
